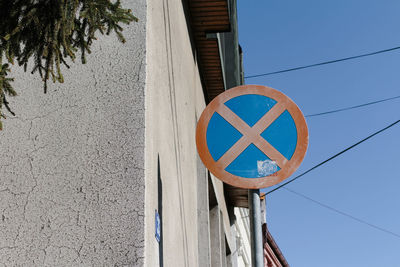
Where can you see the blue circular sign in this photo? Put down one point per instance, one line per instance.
(252, 136)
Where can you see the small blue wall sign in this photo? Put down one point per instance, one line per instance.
(158, 226)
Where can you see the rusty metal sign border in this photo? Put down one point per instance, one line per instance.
(252, 135)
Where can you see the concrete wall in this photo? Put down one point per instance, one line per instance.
(72, 168)
(84, 167)
(242, 225)
(174, 101)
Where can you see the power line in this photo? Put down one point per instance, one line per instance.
(353, 107)
(343, 213)
(331, 158)
(323, 63)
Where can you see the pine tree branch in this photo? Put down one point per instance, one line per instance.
(52, 31)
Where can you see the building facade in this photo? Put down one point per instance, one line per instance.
(103, 169)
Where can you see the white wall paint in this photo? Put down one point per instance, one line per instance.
(72, 169)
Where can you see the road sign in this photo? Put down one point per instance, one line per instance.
(252, 136)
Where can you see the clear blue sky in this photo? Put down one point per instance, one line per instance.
(364, 182)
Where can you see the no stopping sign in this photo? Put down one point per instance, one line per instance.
(252, 136)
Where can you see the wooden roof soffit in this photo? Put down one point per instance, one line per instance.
(237, 197)
(206, 18)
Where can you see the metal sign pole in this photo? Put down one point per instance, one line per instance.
(231, 139)
(257, 253)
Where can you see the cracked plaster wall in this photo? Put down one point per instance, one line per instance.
(72, 161)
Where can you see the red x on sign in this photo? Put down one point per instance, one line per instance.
(251, 135)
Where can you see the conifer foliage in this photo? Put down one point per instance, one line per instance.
(49, 32)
